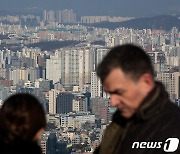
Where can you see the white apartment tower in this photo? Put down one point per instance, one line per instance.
(52, 101)
(79, 104)
(96, 86)
(31, 53)
(53, 69)
(100, 53)
(14, 74)
(77, 65)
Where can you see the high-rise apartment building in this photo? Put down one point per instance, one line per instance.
(99, 54)
(23, 74)
(169, 82)
(31, 53)
(64, 102)
(14, 75)
(32, 74)
(80, 103)
(17, 74)
(52, 101)
(77, 65)
(60, 16)
(51, 16)
(53, 69)
(4, 73)
(68, 16)
(96, 86)
(4, 93)
(44, 143)
(100, 107)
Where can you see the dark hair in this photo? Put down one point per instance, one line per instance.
(132, 60)
(21, 117)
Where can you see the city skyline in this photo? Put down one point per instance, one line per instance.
(138, 8)
(54, 56)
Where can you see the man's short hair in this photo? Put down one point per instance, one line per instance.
(131, 59)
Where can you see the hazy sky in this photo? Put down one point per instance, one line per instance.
(100, 7)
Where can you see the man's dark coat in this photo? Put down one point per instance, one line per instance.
(156, 120)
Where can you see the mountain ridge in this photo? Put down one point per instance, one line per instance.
(165, 22)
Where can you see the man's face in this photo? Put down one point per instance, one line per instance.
(125, 94)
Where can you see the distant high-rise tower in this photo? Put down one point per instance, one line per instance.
(96, 87)
(77, 65)
(43, 143)
(100, 107)
(64, 16)
(51, 16)
(45, 15)
(168, 80)
(64, 102)
(68, 16)
(58, 16)
(80, 103)
(52, 101)
(53, 69)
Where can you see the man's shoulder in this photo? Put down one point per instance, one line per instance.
(169, 119)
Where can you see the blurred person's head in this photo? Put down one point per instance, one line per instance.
(127, 75)
(21, 118)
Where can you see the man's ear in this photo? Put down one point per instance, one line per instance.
(147, 82)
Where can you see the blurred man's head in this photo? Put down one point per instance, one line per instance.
(127, 75)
